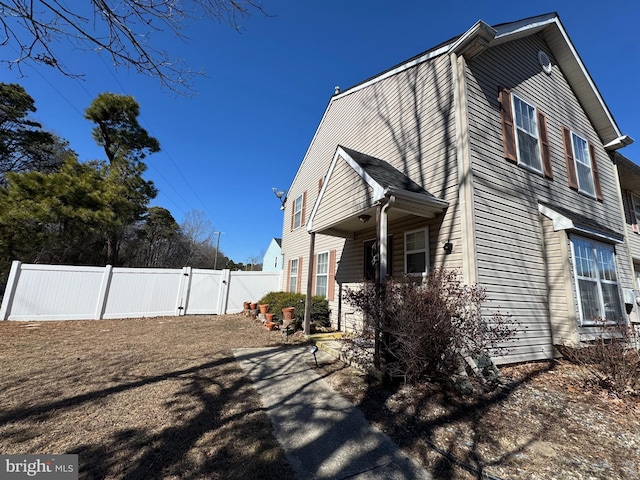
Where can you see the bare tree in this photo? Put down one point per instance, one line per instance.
(121, 29)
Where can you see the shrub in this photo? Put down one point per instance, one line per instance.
(612, 359)
(419, 332)
(320, 312)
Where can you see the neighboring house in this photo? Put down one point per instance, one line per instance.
(273, 259)
(491, 154)
(629, 175)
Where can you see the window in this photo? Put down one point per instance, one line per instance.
(297, 212)
(416, 251)
(527, 134)
(524, 141)
(634, 209)
(322, 274)
(293, 275)
(582, 167)
(596, 281)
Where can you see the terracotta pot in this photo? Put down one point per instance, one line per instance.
(254, 305)
(269, 317)
(287, 312)
(264, 308)
(246, 305)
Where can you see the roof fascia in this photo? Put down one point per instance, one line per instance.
(416, 197)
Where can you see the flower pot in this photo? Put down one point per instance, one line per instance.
(264, 308)
(287, 313)
(246, 305)
(254, 305)
(269, 317)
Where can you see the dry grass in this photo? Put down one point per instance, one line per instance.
(163, 398)
(140, 398)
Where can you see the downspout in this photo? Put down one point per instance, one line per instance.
(308, 300)
(383, 229)
(382, 220)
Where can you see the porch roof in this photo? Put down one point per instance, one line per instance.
(564, 219)
(382, 181)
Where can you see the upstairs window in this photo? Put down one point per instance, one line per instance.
(634, 210)
(297, 214)
(582, 168)
(583, 165)
(527, 134)
(524, 134)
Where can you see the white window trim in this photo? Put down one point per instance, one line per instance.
(318, 275)
(425, 250)
(293, 284)
(521, 163)
(297, 213)
(582, 320)
(575, 161)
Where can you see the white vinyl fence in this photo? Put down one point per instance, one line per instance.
(61, 292)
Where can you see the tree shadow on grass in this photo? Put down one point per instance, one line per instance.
(212, 426)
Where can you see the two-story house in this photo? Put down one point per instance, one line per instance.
(491, 154)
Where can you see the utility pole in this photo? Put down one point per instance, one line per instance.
(215, 262)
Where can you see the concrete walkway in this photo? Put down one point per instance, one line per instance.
(323, 435)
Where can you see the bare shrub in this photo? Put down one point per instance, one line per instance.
(612, 359)
(422, 331)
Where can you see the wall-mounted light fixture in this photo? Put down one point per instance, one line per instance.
(281, 196)
(448, 247)
(364, 218)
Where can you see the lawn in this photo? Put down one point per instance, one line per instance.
(163, 398)
(141, 398)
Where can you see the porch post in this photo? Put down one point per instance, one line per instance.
(307, 304)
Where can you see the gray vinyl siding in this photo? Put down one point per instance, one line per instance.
(406, 120)
(510, 246)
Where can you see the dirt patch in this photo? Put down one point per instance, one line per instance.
(548, 422)
(139, 398)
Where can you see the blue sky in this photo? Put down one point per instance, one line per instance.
(266, 90)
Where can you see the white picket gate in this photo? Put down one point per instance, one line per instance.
(66, 292)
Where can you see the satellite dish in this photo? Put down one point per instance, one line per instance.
(278, 193)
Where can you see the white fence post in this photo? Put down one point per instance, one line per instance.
(183, 291)
(223, 296)
(103, 294)
(10, 291)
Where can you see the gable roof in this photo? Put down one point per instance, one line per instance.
(383, 181)
(482, 36)
(383, 173)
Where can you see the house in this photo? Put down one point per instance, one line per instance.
(273, 259)
(629, 177)
(491, 154)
